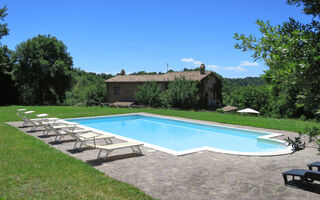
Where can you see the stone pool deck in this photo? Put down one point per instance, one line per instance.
(202, 175)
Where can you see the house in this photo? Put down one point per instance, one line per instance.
(123, 87)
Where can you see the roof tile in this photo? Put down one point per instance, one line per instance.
(170, 76)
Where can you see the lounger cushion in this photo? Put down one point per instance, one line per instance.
(92, 135)
(116, 146)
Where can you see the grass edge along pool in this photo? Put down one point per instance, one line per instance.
(124, 125)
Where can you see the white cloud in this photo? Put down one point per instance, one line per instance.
(238, 68)
(192, 61)
(246, 63)
(230, 68)
(214, 67)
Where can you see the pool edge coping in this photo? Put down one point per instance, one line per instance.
(269, 137)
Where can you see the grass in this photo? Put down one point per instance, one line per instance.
(31, 169)
(70, 112)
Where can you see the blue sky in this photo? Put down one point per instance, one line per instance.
(108, 35)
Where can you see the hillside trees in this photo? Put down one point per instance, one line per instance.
(292, 53)
(256, 97)
(42, 70)
(86, 87)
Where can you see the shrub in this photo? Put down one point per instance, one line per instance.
(181, 93)
(149, 94)
(296, 143)
(313, 135)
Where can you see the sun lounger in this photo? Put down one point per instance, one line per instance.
(314, 164)
(122, 104)
(20, 113)
(26, 117)
(60, 133)
(305, 175)
(135, 146)
(57, 124)
(85, 135)
(41, 121)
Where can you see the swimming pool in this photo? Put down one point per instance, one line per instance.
(183, 136)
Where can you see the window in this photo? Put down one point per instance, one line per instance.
(116, 90)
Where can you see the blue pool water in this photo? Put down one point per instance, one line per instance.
(180, 135)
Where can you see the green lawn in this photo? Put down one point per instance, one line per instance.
(30, 169)
(8, 114)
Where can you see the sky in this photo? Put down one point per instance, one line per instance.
(105, 36)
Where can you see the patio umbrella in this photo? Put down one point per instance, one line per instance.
(248, 110)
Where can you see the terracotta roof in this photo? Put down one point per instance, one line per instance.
(170, 76)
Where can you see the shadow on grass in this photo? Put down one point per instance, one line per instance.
(100, 161)
(310, 187)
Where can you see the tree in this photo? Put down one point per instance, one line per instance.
(149, 94)
(181, 93)
(42, 70)
(3, 26)
(8, 91)
(87, 86)
(256, 97)
(309, 7)
(292, 53)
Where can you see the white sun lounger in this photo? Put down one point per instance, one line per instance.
(85, 135)
(19, 113)
(135, 146)
(41, 121)
(61, 132)
(26, 117)
(57, 124)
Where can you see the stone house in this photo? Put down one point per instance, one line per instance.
(123, 87)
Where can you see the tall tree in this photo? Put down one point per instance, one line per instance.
(3, 26)
(292, 53)
(8, 92)
(42, 70)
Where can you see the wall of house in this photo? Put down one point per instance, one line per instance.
(127, 91)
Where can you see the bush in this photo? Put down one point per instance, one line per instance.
(149, 94)
(296, 143)
(181, 93)
(312, 133)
